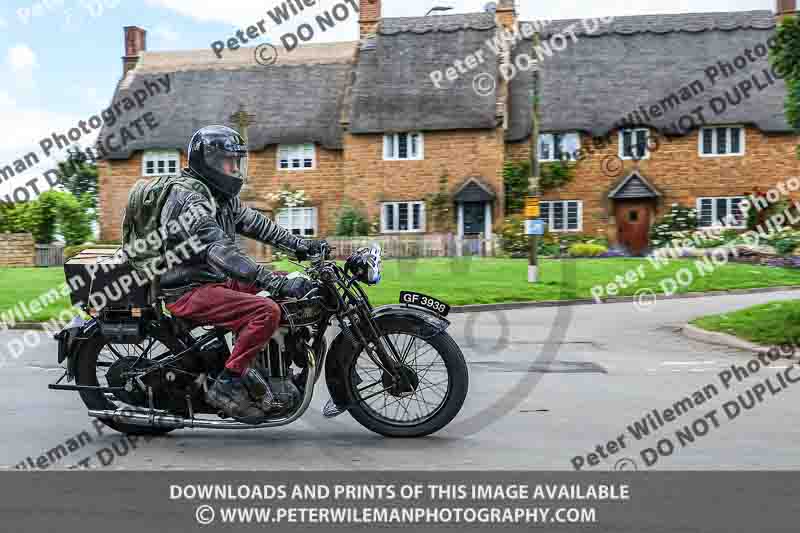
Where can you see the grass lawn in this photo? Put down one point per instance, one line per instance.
(460, 281)
(28, 284)
(767, 324)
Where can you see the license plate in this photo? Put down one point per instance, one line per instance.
(422, 300)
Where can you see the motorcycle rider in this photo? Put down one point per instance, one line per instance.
(219, 286)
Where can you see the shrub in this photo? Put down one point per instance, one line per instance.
(786, 245)
(679, 219)
(52, 212)
(74, 217)
(514, 240)
(587, 250)
(13, 218)
(516, 243)
(351, 223)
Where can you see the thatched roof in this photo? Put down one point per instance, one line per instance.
(393, 90)
(589, 86)
(639, 61)
(295, 100)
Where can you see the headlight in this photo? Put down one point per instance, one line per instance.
(375, 265)
(365, 265)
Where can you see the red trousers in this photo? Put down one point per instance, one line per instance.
(234, 306)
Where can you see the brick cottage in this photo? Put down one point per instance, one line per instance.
(657, 109)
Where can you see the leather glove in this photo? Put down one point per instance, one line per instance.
(282, 287)
(308, 247)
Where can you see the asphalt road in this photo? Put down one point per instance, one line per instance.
(547, 385)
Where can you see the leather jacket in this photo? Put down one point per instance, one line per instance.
(215, 227)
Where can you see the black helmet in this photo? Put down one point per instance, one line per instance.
(208, 150)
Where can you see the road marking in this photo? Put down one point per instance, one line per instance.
(676, 363)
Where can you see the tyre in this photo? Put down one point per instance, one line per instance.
(435, 390)
(94, 358)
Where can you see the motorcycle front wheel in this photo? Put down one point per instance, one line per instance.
(431, 394)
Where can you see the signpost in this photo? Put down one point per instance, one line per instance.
(532, 201)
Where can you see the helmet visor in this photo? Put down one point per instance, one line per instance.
(229, 158)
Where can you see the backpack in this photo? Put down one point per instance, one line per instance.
(142, 234)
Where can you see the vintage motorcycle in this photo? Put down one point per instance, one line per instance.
(394, 368)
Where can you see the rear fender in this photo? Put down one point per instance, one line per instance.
(344, 345)
(71, 340)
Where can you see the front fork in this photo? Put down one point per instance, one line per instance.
(391, 363)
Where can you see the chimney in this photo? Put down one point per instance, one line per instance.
(369, 17)
(506, 14)
(785, 8)
(135, 44)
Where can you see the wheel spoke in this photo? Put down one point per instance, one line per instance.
(422, 361)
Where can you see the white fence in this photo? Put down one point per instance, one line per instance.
(430, 245)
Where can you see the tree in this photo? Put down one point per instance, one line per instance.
(51, 213)
(79, 176)
(785, 57)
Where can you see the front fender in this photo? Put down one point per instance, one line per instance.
(431, 323)
(343, 344)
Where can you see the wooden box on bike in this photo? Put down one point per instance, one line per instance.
(101, 278)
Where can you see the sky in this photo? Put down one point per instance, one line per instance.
(61, 59)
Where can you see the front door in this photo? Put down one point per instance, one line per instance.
(633, 225)
(474, 218)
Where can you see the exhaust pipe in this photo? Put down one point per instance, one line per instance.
(164, 420)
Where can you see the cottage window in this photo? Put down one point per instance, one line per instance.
(400, 146)
(721, 141)
(558, 146)
(402, 217)
(161, 163)
(633, 143)
(300, 221)
(297, 156)
(562, 215)
(721, 211)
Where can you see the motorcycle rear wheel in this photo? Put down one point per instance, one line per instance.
(92, 351)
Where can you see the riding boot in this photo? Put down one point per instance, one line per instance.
(229, 394)
(262, 393)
